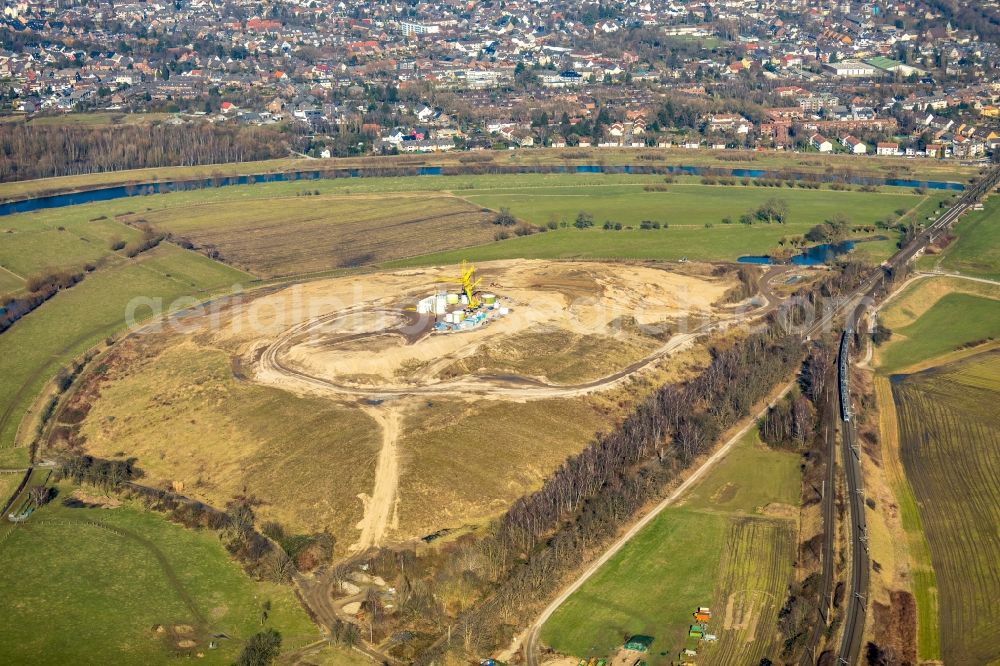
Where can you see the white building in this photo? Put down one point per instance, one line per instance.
(411, 28)
(851, 69)
(821, 143)
(854, 144)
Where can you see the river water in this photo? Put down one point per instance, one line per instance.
(159, 187)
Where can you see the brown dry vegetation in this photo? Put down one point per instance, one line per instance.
(465, 462)
(190, 405)
(948, 434)
(295, 235)
(178, 408)
(561, 356)
(895, 626)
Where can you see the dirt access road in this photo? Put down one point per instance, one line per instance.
(380, 506)
(368, 325)
(529, 638)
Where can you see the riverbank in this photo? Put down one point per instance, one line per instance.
(829, 167)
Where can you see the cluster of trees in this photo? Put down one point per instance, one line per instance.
(585, 501)
(261, 649)
(504, 218)
(548, 533)
(149, 240)
(40, 289)
(881, 334)
(260, 557)
(789, 423)
(105, 474)
(28, 151)
(773, 210)
(746, 287)
(307, 551)
(831, 231)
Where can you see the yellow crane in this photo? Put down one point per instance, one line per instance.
(467, 278)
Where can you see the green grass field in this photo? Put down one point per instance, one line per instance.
(58, 238)
(686, 208)
(886, 167)
(36, 347)
(10, 282)
(270, 229)
(92, 586)
(948, 436)
(953, 321)
(696, 554)
(976, 251)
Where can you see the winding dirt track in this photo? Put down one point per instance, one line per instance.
(385, 403)
(272, 368)
(382, 402)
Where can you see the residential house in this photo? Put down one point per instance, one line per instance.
(886, 148)
(821, 143)
(854, 145)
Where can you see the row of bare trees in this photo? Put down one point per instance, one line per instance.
(549, 533)
(35, 151)
(40, 289)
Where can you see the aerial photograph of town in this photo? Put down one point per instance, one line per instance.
(500, 332)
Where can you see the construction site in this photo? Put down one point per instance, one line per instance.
(465, 309)
(401, 377)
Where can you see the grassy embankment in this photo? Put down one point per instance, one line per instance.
(818, 164)
(177, 407)
(723, 546)
(976, 250)
(937, 316)
(47, 339)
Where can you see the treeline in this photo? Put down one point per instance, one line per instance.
(272, 555)
(545, 535)
(493, 582)
(28, 151)
(105, 474)
(40, 289)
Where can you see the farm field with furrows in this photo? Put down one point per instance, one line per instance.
(286, 236)
(948, 436)
(294, 405)
(123, 585)
(728, 545)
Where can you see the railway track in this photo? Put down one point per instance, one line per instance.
(854, 620)
(850, 308)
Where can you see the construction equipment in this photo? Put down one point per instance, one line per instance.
(467, 278)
